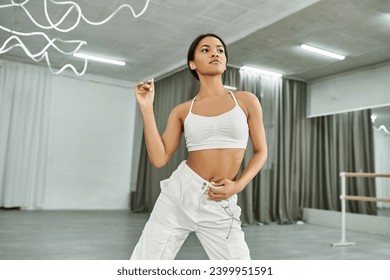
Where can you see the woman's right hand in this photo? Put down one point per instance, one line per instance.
(144, 92)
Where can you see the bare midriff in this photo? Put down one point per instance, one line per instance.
(216, 164)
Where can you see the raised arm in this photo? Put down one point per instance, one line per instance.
(160, 148)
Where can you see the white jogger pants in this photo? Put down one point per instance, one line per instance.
(183, 207)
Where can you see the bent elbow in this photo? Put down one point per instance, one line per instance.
(158, 163)
(262, 156)
(265, 154)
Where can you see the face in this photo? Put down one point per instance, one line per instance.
(209, 57)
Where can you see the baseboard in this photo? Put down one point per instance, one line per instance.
(355, 222)
(10, 208)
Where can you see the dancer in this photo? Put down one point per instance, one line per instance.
(201, 194)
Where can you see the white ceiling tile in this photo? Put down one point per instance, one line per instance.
(225, 13)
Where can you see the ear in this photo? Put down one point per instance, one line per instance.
(192, 65)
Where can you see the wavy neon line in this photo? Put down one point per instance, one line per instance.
(42, 54)
(62, 69)
(50, 41)
(79, 16)
(3, 48)
(13, 4)
(39, 56)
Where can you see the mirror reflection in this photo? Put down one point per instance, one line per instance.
(381, 124)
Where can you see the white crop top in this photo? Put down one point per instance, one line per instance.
(227, 130)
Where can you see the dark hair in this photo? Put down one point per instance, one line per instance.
(191, 50)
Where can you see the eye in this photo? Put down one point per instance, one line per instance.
(204, 50)
(221, 50)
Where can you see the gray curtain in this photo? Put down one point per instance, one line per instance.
(305, 156)
(25, 101)
(290, 153)
(255, 200)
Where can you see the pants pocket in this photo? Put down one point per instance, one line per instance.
(171, 188)
(153, 243)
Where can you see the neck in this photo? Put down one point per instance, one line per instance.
(211, 86)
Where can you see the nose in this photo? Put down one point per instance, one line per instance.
(214, 53)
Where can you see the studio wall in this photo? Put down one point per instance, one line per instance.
(90, 144)
(356, 90)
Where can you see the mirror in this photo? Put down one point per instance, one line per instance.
(381, 126)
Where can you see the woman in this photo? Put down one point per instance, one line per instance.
(201, 194)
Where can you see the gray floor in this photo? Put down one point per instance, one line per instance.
(111, 235)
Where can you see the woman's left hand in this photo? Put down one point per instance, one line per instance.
(223, 189)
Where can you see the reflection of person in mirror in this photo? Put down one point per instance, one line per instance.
(201, 194)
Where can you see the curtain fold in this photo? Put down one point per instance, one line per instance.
(305, 155)
(256, 200)
(290, 159)
(24, 126)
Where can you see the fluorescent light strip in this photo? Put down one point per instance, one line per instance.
(323, 52)
(230, 87)
(100, 59)
(261, 71)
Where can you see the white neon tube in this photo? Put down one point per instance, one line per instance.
(100, 59)
(261, 71)
(323, 52)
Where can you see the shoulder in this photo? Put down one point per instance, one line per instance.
(181, 110)
(247, 101)
(245, 96)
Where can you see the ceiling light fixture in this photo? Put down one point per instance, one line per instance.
(323, 52)
(261, 71)
(100, 59)
(230, 87)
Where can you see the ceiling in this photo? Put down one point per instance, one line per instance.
(358, 29)
(152, 44)
(261, 33)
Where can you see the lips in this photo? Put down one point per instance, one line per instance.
(215, 61)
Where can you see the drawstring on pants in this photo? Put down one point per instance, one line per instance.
(225, 204)
(227, 209)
